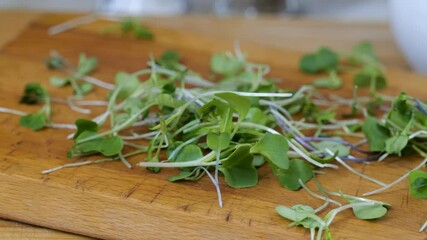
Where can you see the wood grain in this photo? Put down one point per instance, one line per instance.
(112, 202)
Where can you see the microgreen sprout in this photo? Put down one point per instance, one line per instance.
(232, 126)
(423, 163)
(307, 217)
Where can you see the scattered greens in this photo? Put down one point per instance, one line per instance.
(307, 217)
(242, 121)
(34, 93)
(139, 31)
(86, 66)
(361, 60)
(323, 60)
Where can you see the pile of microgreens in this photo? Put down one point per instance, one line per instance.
(241, 121)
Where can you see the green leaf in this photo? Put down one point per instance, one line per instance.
(330, 82)
(218, 141)
(369, 73)
(256, 115)
(363, 53)
(142, 32)
(298, 169)
(226, 121)
(59, 81)
(33, 93)
(238, 169)
(300, 215)
(401, 113)
(35, 121)
(222, 64)
(341, 149)
(169, 59)
(184, 175)
(239, 103)
(258, 161)
(214, 106)
(85, 88)
(296, 213)
(167, 100)
(133, 105)
(86, 64)
(376, 134)
(396, 144)
(107, 146)
(324, 59)
(54, 62)
(418, 184)
(323, 117)
(274, 147)
(188, 153)
(127, 25)
(219, 109)
(132, 25)
(128, 83)
(85, 125)
(374, 211)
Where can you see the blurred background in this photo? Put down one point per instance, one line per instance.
(405, 19)
(353, 10)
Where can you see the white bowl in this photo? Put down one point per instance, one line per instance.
(409, 24)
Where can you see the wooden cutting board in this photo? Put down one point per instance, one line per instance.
(112, 202)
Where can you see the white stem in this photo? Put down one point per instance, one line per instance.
(312, 233)
(151, 120)
(383, 157)
(397, 180)
(238, 51)
(72, 24)
(134, 145)
(91, 103)
(140, 136)
(258, 126)
(252, 94)
(321, 208)
(337, 125)
(66, 165)
(339, 160)
(216, 184)
(416, 134)
(78, 109)
(195, 163)
(320, 232)
(317, 195)
(190, 95)
(280, 108)
(124, 161)
(77, 164)
(297, 95)
(342, 208)
(62, 125)
(98, 82)
(101, 118)
(12, 111)
(176, 164)
(218, 152)
(286, 122)
(423, 227)
(361, 142)
(309, 159)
